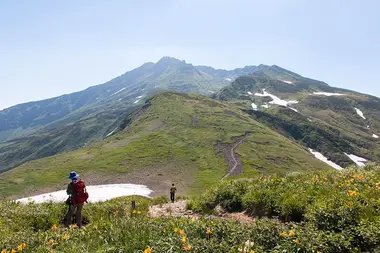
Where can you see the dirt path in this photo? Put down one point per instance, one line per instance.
(178, 209)
(234, 163)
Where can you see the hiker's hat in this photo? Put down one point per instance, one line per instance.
(73, 175)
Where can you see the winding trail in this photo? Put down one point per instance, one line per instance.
(236, 163)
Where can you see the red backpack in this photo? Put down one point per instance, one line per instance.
(79, 193)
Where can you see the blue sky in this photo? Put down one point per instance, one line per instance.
(49, 48)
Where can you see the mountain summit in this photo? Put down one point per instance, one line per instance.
(300, 108)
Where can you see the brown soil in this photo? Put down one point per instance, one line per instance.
(233, 160)
(158, 178)
(178, 209)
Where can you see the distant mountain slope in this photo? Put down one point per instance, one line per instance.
(167, 74)
(330, 120)
(173, 138)
(300, 108)
(44, 128)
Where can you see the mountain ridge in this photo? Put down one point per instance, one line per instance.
(76, 120)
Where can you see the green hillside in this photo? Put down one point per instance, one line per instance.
(174, 137)
(39, 129)
(318, 116)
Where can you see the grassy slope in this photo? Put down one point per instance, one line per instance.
(329, 204)
(334, 117)
(176, 139)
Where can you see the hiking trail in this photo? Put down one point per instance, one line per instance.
(178, 209)
(234, 163)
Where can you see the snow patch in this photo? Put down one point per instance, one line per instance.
(328, 94)
(96, 193)
(254, 106)
(360, 113)
(111, 132)
(250, 93)
(117, 92)
(293, 109)
(309, 120)
(360, 161)
(136, 101)
(375, 136)
(289, 82)
(265, 106)
(322, 158)
(228, 79)
(276, 100)
(139, 97)
(211, 91)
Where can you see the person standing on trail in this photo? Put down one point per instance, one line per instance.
(77, 196)
(173, 189)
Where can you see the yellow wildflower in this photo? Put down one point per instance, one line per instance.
(66, 236)
(297, 242)
(378, 185)
(184, 239)
(352, 193)
(292, 233)
(181, 232)
(74, 226)
(148, 250)
(134, 211)
(50, 243)
(359, 177)
(252, 251)
(188, 247)
(13, 251)
(139, 212)
(21, 247)
(4, 251)
(350, 204)
(176, 230)
(54, 227)
(209, 231)
(283, 234)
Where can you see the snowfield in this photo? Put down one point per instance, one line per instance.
(286, 82)
(322, 158)
(117, 92)
(254, 106)
(328, 94)
(360, 113)
(111, 132)
(359, 161)
(276, 100)
(96, 193)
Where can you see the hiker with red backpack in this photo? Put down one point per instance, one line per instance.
(77, 196)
